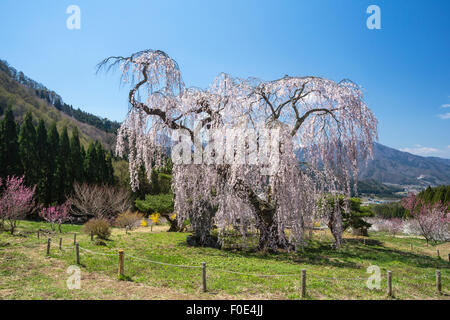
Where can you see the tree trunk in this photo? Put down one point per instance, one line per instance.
(202, 223)
(270, 239)
(336, 230)
(174, 227)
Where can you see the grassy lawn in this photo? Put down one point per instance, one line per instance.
(27, 273)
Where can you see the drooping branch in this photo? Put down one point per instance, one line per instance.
(327, 122)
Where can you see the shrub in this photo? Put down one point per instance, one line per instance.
(155, 218)
(162, 204)
(56, 215)
(99, 227)
(129, 220)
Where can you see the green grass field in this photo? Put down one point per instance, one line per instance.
(27, 273)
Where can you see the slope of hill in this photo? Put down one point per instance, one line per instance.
(393, 166)
(25, 98)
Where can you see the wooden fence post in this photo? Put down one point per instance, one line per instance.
(204, 276)
(449, 257)
(121, 262)
(303, 292)
(60, 243)
(389, 279)
(48, 246)
(92, 235)
(77, 251)
(75, 238)
(438, 254)
(438, 282)
(38, 234)
(411, 247)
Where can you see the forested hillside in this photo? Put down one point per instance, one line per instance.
(25, 95)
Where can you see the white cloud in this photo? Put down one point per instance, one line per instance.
(444, 116)
(446, 105)
(421, 150)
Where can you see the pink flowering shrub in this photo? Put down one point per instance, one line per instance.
(433, 219)
(56, 215)
(15, 202)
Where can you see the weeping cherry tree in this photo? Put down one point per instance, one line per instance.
(249, 173)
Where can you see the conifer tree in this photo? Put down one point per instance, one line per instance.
(53, 151)
(43, 167)
(101, 163)
(91, 169)
(10, 163)
(64, 180)
(27, 150)
(76, 157)
(110, 169)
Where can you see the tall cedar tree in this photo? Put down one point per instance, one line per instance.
(10, 163)
(44, 172)
(63, 168)
(101, 163)
(90, 164)
(53, 151)
(110, 169)
(27, 150)
(76, 157)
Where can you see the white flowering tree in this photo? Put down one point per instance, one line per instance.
(249, 174)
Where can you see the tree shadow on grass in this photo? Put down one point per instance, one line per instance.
(352, 255)
(378, 253)
(317, 256)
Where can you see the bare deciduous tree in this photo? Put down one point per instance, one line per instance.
(99, 201)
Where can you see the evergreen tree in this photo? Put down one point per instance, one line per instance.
(43, 168)
(10, 163)
(83, 156)
(91, 168)
(3, 107)
(145, 187)
(110, 169)
(27, 150)
(154, 182)
(102, 173)
(64, 179)
(53, 152)
(76, 157)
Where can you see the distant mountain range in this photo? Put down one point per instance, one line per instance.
(397, 167)
(389, 166)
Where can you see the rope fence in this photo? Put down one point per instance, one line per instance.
(217, 269)
(301, 275)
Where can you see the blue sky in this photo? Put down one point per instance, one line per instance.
(404, 68)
